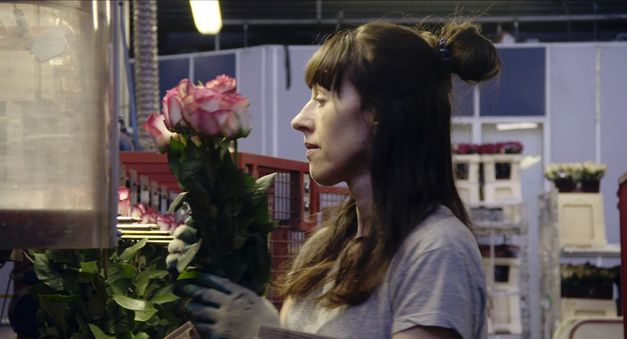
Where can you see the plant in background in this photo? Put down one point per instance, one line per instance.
(227, 232)
(593, 171)
(576, 176)
(88, 293)
(510, 147)
(463, 148)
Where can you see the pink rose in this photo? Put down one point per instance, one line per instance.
(137, 211)
(488, 149)
(124, 201)
(172, 104)
(238, 122)
(222, 84)
(163, 222)
(512, 147)
(155, 126)
(202, 110)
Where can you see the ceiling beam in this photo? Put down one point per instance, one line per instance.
(413, 20)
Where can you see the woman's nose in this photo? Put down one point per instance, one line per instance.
(301, 121)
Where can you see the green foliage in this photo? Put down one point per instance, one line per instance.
(123, 292)
(229, 211)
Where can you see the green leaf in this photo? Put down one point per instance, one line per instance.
(127, 270)
(98, 333)
(264, 182)
(165, 298)
(187, 274)
(142, 279)
(140, 335)
(46, 272)
(59, 298)
(119, 287)
(147, 313)
(177, 203)
(188, 256)
(89, 267)
(96, 303)
(129, 253)
(130, 303)
(56, 312)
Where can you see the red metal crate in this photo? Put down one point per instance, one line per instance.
(295, 200)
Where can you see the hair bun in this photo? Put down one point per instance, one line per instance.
(473, 57)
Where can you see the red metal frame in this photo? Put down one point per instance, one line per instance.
(622, 206)
(153, 165)
(294, 200)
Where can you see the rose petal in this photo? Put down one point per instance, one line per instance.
(155, 126)
(223, 84)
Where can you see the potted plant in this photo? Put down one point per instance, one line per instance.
(464, 154)
(562, 176)
(591, 176)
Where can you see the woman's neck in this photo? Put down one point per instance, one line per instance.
(361, 191)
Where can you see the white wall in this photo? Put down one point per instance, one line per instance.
(588, 113)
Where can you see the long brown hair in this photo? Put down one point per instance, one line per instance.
(403, 75)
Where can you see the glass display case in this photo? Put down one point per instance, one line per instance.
(58, 142)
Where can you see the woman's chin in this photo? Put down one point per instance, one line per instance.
(322, 178)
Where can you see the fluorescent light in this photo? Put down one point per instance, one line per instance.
(207, 16)
(94, 13)
(516, 125)
(108, 12)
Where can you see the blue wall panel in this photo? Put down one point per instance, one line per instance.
(519, 90)
(171, 71)
(463, 98)
(210, 66)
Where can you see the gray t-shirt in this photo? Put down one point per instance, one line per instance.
(435, 279)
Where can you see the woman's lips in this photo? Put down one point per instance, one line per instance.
(311, 148)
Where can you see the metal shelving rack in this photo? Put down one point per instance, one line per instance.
(493, 229)
(552, 255)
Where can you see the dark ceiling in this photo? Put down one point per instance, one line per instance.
(250, 22)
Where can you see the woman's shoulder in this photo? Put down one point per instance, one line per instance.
(441, 230)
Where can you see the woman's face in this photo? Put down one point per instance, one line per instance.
(337, 134)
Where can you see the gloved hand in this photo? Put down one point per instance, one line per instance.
(222, 309)
(182, 248)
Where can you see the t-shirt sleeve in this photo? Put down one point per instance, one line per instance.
(439, 285)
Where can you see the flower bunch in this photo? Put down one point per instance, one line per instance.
(560, 171)
(213, 109)
(197, 127)
(463, 148)
(508, 147)
(593, 171)
(575, 171)
(576, 176)
(146, 214)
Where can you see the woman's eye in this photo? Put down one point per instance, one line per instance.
(320, 101)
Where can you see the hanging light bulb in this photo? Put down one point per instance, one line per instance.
(207, 16)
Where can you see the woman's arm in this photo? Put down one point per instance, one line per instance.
(426, 332)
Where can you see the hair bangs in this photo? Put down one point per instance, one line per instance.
(329, 64)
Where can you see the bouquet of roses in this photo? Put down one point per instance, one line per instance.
(227, 231)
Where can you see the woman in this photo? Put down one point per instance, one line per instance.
(398, 260)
